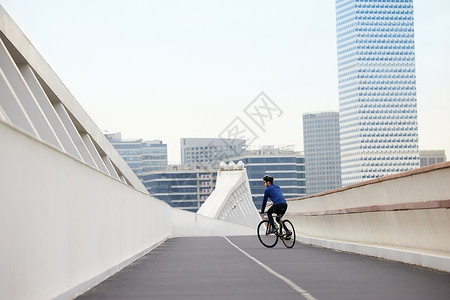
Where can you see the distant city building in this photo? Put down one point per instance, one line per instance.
(377, 88)
(209, 152)
(180, 187)
(142, 156)
(431, 157)
(286, 165)
(322, 151)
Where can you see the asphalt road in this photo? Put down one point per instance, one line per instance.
(213, 268)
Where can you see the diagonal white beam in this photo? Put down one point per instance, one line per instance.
(74, 134)
(29, 103)
(49, 111)
(94, 153)
(12, 108)
(3, 116)
(110, 167)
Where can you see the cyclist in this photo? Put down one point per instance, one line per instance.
(279, 206)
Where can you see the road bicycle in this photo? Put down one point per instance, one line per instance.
(286, 232)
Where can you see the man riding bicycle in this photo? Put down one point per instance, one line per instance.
(279, 206)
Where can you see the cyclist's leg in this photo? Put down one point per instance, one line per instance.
(270, 211)
(278, 218)
(279, 209)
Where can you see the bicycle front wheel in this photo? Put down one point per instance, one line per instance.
(267, 239)
(288, 237)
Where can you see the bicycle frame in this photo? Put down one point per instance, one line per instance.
(288, 237)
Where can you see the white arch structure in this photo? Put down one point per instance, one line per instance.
(35, 100)
(231, 199)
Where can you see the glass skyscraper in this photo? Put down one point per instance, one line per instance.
(142, 156)
(207, 153)
(322, 151)
(377, 88)
(285, 164)
(181, 188)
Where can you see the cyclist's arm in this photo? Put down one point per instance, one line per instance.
(266, 195)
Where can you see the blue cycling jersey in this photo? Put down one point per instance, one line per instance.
(273, 192)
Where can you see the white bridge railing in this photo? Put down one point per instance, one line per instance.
(403, 217)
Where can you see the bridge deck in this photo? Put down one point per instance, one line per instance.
(212, 268)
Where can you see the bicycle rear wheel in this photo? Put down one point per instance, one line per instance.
(288, 239)
(267, 239)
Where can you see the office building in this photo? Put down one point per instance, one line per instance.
(142, 156)
(209, 152)
(181, 187)
(377, 88)
(322, 151)
(286, 165)
(431, 157)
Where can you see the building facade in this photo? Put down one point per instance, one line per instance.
(322, 151)
(286, 165)
(142, 156)
(180, 187)
(377, 88)
(431, 157)
(209, 152)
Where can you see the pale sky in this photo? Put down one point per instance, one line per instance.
(173, 69)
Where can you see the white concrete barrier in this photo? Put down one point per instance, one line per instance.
(65, 226)
(189, 224)
(403, 217)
